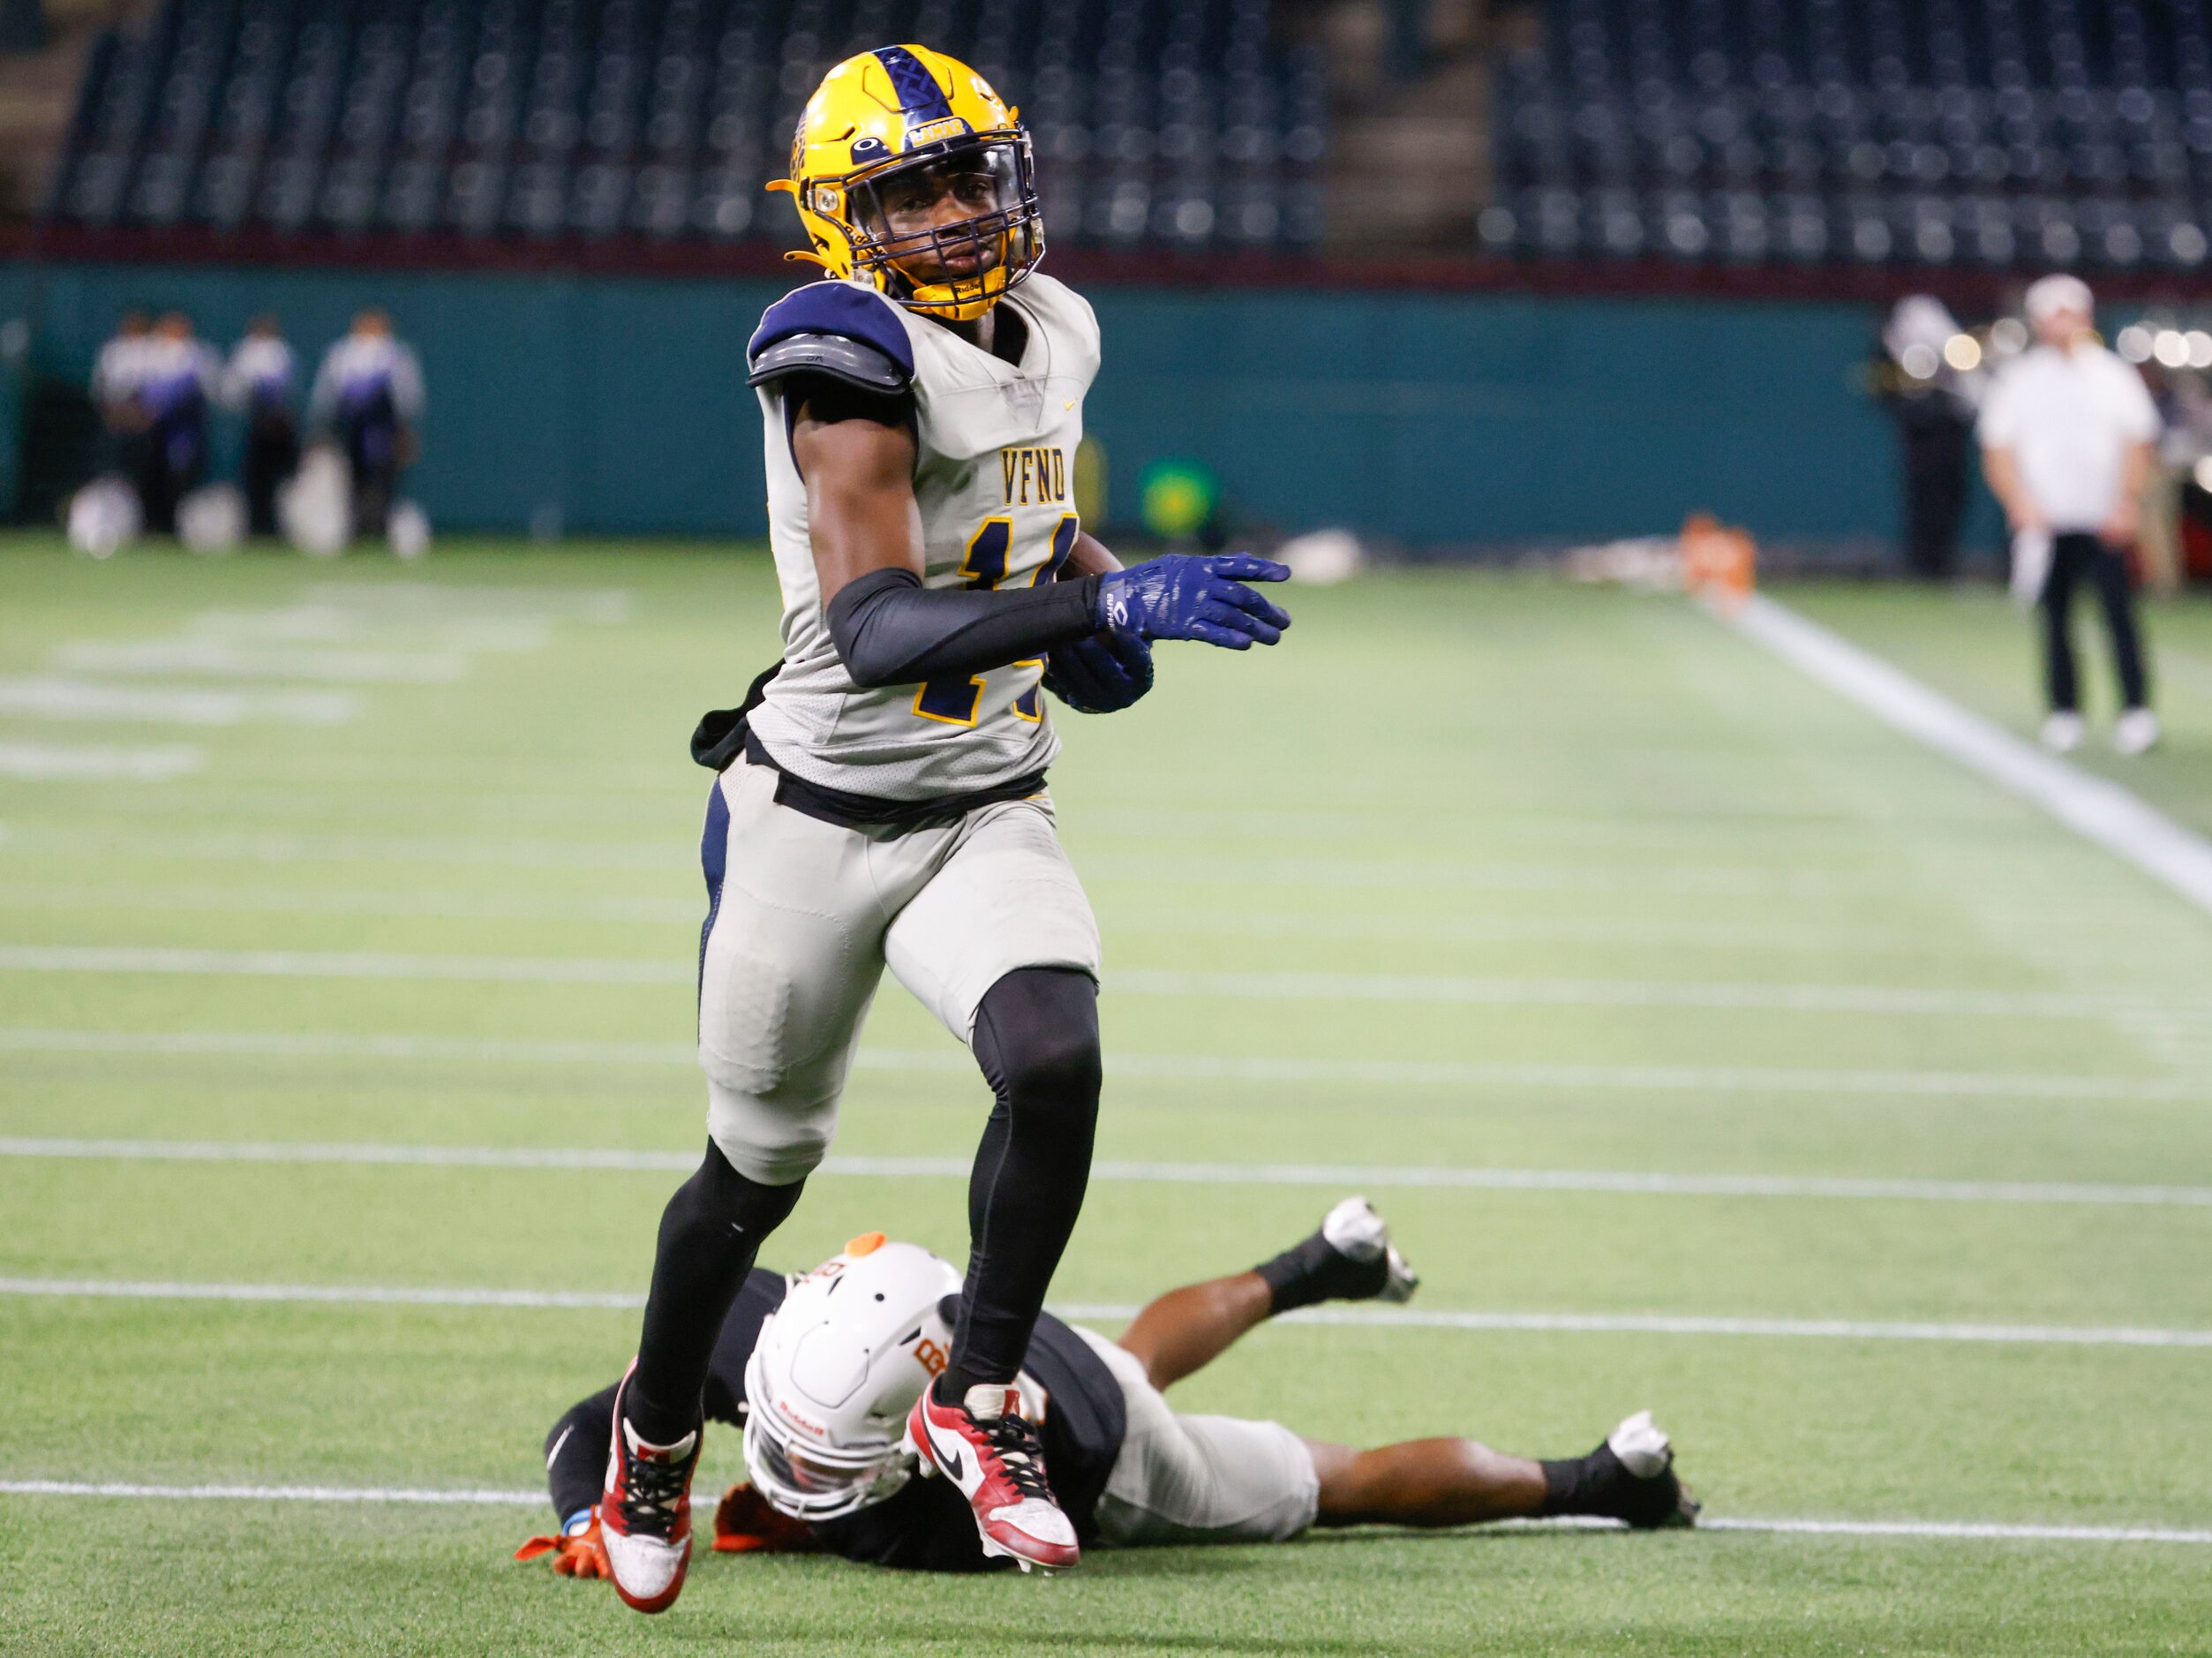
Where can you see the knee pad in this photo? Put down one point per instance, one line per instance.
(1036, 1037)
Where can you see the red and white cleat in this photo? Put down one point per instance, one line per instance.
(987, 1447)
(645, 1512)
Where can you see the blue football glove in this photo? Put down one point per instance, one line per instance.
(1102, 674)
(1183, 596)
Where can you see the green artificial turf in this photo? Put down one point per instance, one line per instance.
(1475, 872)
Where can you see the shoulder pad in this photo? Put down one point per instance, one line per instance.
(855, 361)
(834, 328)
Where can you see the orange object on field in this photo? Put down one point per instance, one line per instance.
(1717, 562)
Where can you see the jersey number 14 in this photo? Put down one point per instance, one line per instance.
(956, 702)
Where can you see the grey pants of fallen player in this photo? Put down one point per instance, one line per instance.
(803, 917)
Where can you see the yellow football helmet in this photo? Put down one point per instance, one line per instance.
(912, 174)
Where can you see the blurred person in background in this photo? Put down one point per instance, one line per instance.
(176, 386)
(1933, 401)
(368, 394)
(115, 376)
(260, 383)
(2067, 441)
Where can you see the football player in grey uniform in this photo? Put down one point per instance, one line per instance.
(880, 798)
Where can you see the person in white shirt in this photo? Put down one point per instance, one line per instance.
(116, 375)
(369, 392)
(2066, 441)
(260, 382)
(176, 381)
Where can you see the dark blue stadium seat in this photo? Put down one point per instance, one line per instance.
(1992, 132)
(1177, 123)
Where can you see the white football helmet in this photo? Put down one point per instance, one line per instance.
(835, 1372)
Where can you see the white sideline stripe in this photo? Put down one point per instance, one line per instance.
(55, 698)
(2099, 811)
(1958, 1530)
(1389, 1317)
(1384, 987)
(312, 663)
(1154, 1066)
(63, 762)
(1348, 1178)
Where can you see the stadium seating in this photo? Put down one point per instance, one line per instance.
(1171, 122)
(1940, 132)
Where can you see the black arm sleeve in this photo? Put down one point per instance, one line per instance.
(575, 1453)
(889, 629)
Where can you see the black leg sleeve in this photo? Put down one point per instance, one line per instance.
(575, 1454)
(710, 1234)
(2058, 603)
(1036, 1037)
(2119, 598)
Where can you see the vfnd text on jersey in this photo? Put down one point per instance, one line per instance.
(1040, 471)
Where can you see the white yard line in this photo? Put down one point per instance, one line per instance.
(339, 964)
(279, 846)
(308, 664)
(1524, 993)
(137, 1490)
(1669, 1324)
(72, 761)
(1963, 1531)
(323, 1294)
(1151, 868)
(338, 624)
(1397, 987)
(1372, 1074)
(602, 605)
(1349, 1177)
(1380, 1317)
(50, 697)
(325, 900)
(2099, 811)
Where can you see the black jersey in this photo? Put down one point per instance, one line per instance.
(927, 1525)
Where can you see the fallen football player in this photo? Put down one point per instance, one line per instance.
(821, 1371)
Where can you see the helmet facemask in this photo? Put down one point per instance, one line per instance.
(815, 1482)
(948, 233)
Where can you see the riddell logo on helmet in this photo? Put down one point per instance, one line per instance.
(799, 1420)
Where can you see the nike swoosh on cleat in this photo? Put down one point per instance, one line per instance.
(953, 1464)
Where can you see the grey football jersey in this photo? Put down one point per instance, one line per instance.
(995, 482)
